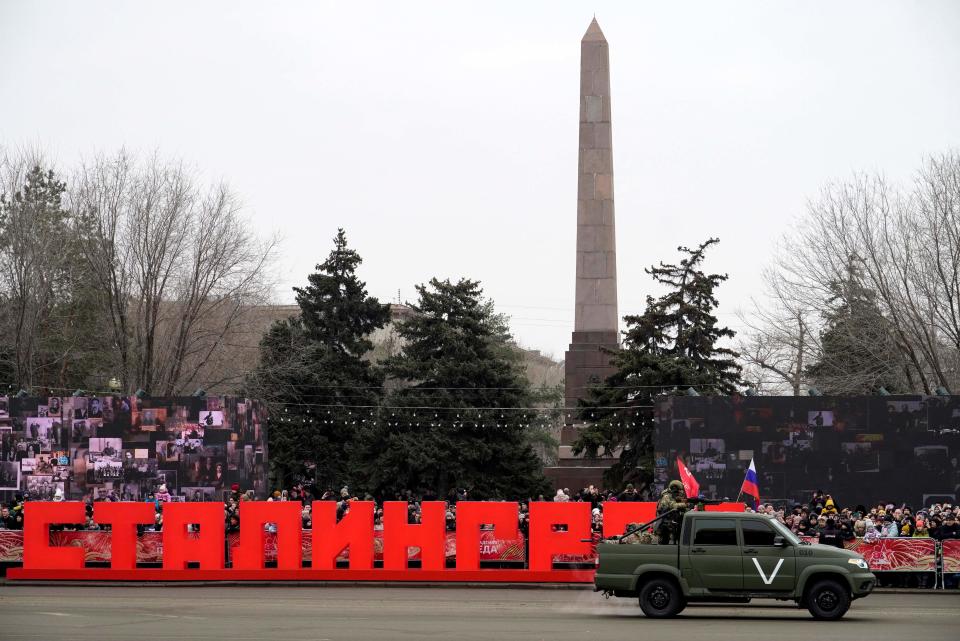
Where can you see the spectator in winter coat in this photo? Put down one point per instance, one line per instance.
(921, 532)
(859, 528)
(846, 531)
(829, 508)
(830, 535)
(163, 496)
(6, 518)
(889, 528)
(949, 529)
(816, 502)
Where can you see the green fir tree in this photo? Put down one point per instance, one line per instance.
(47, 322)
(314, 374)
(461, 412)
(858, 349)
(673, 346)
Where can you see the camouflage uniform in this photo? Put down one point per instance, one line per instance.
(672, 498)
(642, 537)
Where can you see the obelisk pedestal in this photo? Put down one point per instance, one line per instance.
(596, 321)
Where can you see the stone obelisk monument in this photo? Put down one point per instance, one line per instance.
(595, 324)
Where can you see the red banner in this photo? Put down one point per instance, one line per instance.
(897, 555)
(951, 555)
(11, 546)
(491, 548)
(96, 544)
(150, 547)
(894, 555)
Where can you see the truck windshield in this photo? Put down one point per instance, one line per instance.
(785, 532)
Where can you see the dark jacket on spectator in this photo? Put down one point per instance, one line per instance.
(830, 536)
(846, 532)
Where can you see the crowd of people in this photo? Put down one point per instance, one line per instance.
(822, 518)
(827, 522)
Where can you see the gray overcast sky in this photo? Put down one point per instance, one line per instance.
(443, 135)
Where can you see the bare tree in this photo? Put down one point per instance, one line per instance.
(780, 339)
(223, 278)
(905, 242)
(177, 268)
(99, 196)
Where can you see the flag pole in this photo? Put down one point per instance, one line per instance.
(741, 485)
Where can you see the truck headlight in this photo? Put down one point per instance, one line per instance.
(860, 563)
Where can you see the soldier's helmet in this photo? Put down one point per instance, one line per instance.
(675, 487)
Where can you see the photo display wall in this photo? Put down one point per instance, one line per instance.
(898, 449)
(127, 447)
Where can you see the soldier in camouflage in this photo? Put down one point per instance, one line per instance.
(636, 536)
(672, 498)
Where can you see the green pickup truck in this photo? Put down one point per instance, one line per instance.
(732, 557)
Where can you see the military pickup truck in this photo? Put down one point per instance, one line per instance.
(732, 557)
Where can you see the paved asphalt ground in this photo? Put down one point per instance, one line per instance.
(248, 613)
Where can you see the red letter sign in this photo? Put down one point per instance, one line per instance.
(354, 532)
(429, 536)
(123, 519)
(250, 553)
(37, 553)
(470, 516)
(546, 543)
(617, 515)
(179, 549)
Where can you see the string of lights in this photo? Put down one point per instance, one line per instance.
(396, 419)
(464, 409)
(424, 415)
(407, 393)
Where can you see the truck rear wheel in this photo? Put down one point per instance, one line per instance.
(827, 600)
(661, 598)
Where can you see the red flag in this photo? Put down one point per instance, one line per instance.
(690, 485)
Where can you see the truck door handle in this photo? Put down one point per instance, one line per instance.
(697, 551)
(750, 551)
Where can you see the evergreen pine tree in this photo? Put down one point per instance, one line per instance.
(459, 416)
(46, 306)
(672, 346)
(321, 389)
(858, 352)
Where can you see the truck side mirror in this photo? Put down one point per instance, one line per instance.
(779, 542)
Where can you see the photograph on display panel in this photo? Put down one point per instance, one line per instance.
(852, 446)
(9, 475)
(198, 494)
(116, 447)
(8, 443)
(211, 419)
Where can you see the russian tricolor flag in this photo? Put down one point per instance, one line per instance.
(750, 486)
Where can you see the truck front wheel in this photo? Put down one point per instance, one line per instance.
(827, 600)
(661, 598)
